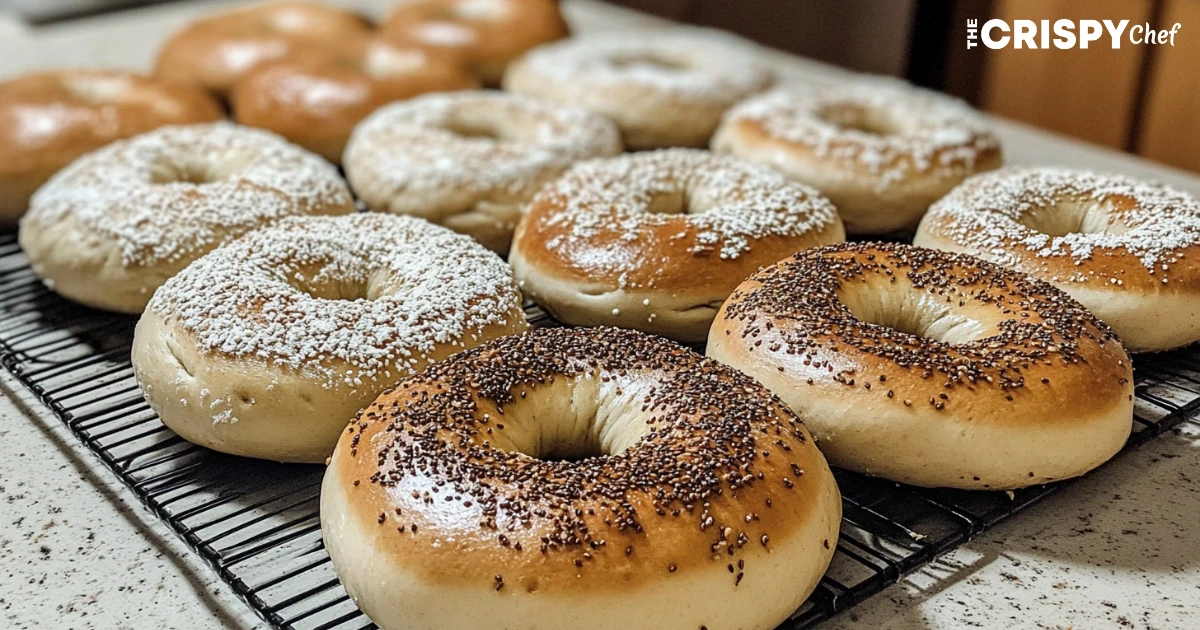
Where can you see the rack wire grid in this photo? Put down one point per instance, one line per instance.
(257, 522)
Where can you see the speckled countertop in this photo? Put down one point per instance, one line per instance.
(1118, 549)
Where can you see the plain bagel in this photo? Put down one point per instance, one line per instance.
(572, 478)
(268, 346)
(1128, 250)
(48, 119)
(932, 368)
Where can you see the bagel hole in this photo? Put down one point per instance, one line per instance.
(912, 311)
(1072, 217)
(474, 129)
(573, 420)
(648, 61)
(860, 119)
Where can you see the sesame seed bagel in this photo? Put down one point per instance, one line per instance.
(268, 346)
(214, 52)
(482, 35)
(930, 368)
(1127, 250)
(881, 153)
(571, 478)
(469, 160)
(316, 103)
(110, 228)
(656, 241)
(47, 119)
(665, 90)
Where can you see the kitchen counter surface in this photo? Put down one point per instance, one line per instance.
(1119, 549)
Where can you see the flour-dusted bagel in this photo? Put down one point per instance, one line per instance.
(1127, 250)
(110, 228)
(214, 52)
(572, 478)
(470, 160)
(47, 119)
(662, 89)
(316, 103)
(268, 346)
(932, 368)
(656, 241)
(882, 153)
(484, 36)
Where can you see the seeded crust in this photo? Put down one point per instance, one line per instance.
(1130, 254)
(214, 52)
(483, 37)
(656, 241)
(1041, 391)
(722, 493)
(89, 109)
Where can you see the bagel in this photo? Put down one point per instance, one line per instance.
(214, 52)
(316, 103)
(880, 152)
(484, 36)
(931, 368)
(665, 90)
(656, 241)
(110, 228)
(578, 479)
(1127, 250)
(469, 160)
(47, 119)
(268, 346)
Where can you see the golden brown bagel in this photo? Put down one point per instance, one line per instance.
(932, 368)
(571, 478)
(214, 52)
(656, 241)
(316, 103)
(481, 35)
(48, 119)
(1128, 250)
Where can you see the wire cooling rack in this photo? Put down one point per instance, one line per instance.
(257, 522)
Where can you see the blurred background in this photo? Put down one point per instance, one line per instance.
(1142, 99)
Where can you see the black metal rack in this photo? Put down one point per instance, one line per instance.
(257, 522)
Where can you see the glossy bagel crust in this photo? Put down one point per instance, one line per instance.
(316, 103)
(689, 497)
(110, 228)
(214, 52)
(267, 348)
(47, 119)
(932, 368)
(881, 152)
(656, 241)
(483, 36)
(1128, 250)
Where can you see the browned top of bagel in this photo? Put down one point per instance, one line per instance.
(48, 119)
(316, 102)
(721, 467)
(214, 52)
(671, 219)
(1033, 343)
(476, 32)
(1074, 227)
